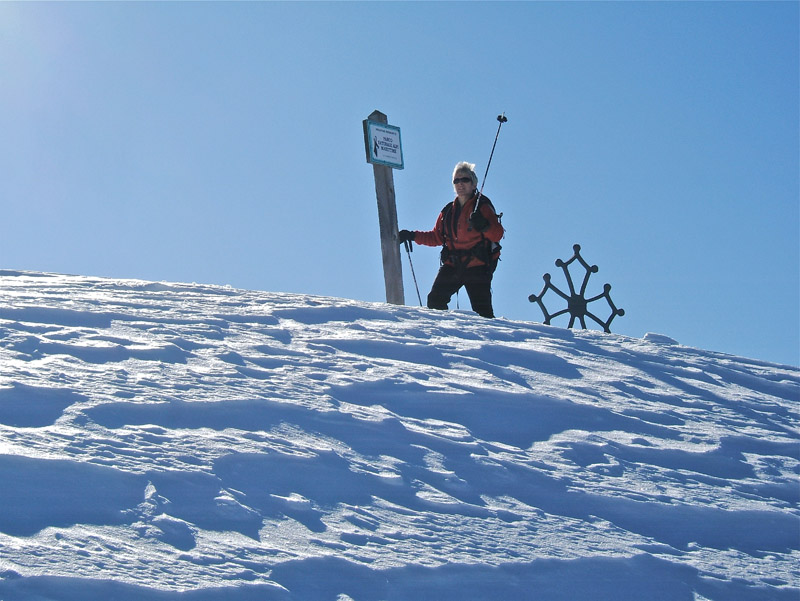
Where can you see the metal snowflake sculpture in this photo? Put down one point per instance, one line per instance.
(577, 303)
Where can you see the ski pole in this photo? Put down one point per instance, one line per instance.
(414, 275)
(502, 119)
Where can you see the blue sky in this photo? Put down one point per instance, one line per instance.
(222, 143)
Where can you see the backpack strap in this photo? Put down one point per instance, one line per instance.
(447, 223)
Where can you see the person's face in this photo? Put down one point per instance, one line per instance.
(462, 183)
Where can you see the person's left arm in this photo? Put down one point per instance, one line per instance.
(486, 222)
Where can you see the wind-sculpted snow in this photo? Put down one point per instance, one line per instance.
(174, 441)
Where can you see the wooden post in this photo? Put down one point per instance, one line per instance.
(387, 221)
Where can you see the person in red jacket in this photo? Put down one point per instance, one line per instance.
(470, 241)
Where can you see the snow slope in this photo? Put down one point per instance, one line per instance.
(173, 441)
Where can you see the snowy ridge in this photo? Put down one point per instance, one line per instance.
(174, 441)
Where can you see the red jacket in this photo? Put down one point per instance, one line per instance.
(453, 230)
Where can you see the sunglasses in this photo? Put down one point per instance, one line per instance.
(462, 180)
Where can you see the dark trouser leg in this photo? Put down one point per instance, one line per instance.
(478, 282)
(444, 287)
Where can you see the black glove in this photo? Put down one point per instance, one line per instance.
(479, 222)
(405, 236)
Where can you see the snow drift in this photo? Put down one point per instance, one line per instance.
(174, 441)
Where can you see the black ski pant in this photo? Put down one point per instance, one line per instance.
(477, 281)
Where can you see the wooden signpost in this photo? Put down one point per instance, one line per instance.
(385, 152)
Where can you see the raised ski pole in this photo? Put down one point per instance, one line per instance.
(409, 248)
(502, 119)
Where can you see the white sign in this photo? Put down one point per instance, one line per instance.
(383, 144)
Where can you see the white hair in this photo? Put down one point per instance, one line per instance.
(468, 167)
